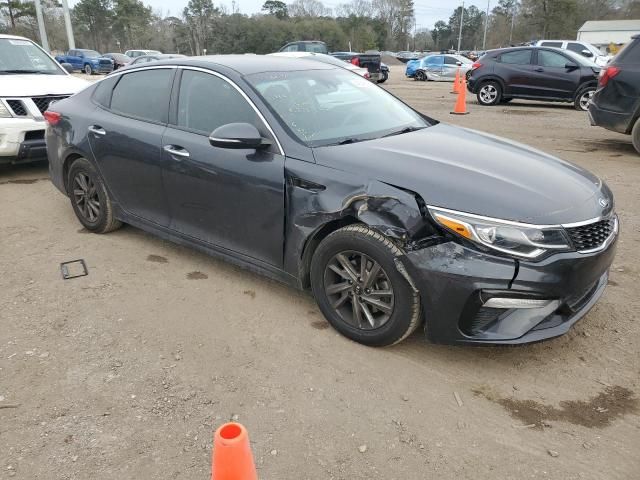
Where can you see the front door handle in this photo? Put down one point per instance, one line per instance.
(97, 130)
(176, 150)
(539, 69)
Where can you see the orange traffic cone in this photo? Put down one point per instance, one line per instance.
(232, 458)
(456, 82)
(461, 102)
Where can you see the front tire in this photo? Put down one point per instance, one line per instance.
(583, 99)
(89, 198)
(359, 289)
(88, 70)
(635, 135)
(489, 93)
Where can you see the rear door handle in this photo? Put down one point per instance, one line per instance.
(97, 130)
(539, 69)
(176, 150)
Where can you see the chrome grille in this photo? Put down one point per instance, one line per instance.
(43, 102)
(18, 108)
(593, 235)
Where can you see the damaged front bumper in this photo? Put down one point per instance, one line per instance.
(456, 285)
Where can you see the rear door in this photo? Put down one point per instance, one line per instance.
(514, 67)
(126, 141)
(74, 59)
(433, 65)
(551, 78)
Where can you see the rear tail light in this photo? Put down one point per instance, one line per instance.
(355, 61)
(607, 74)
(52, 118)
(476, 65)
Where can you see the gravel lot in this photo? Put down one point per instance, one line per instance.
(125, 373)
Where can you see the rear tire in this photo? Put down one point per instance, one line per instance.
(583, 98)
(89, 198)
(374, 305)
(489, 93)
(421, 76)
(635, 135)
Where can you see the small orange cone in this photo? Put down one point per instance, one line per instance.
(232, 458)
(461, 101)
(456, 82)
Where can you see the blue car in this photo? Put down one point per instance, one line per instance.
(442, 67)
(88, 61)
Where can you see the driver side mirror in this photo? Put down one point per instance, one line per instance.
(586, 53)
(68, 67)
(459, 64)
(237, 136)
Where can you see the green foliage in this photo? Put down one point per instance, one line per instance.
(277, 8)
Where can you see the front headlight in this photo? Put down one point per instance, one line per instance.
(522, 240)
(4, 111)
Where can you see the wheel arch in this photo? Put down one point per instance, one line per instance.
(585, 85)
(490, 78)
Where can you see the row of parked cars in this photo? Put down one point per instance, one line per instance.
(92, 62)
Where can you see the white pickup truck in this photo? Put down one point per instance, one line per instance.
(578, 46)
(30, 79)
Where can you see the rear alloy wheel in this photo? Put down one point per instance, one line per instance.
(635, 135)
(88, 70)
(583, 99)
(421, 76)
(359, 289)
(490, 93)
(90, 199)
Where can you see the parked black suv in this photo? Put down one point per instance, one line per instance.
(616, 103)
(534, 73)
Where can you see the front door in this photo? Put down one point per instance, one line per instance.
(552, 79)
(126, 141)
(233, 199)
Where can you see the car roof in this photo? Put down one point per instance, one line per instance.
(248, 64)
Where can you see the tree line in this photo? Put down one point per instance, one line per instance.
(118, 25)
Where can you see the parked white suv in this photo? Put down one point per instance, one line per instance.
(140, 53)
(582, 48)
(30, 79)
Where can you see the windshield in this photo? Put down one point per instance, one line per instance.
(325, 107)
(90, 53)
(23, 56)
(320, 57)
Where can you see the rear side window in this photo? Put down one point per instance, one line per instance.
(519, 57)
(576, 47)
(450, 61)
(207, 102)
(630, 54)
(144, 95)
(102, 93)
(551, 59)
(552, 44)
(436, 60)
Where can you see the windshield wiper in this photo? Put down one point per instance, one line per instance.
(346, 141)
(404, 130)
(36, 72)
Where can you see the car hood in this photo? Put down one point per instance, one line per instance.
(474, 172)
(39, 85)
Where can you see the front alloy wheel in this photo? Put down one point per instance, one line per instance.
(359, 290)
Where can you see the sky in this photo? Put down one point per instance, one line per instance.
(428, 12)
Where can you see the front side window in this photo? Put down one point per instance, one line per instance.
(519, 57)
(144, 95)
(323, 107)
(551, 59)
(90, 53)
(576, 47)
(207, 102)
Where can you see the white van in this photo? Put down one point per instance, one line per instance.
(583, 48)
(30, 79)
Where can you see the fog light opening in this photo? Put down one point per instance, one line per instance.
(508, 303)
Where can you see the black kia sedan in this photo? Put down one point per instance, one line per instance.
(534, 73)
(312, 175)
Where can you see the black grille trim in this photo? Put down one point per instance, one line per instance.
(43, 102)
(593, 235)
(18, 108)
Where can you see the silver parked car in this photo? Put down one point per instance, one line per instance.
(441, 67)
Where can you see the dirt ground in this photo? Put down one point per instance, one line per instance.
(126, 372)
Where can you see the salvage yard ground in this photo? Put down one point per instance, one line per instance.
(126, 372)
